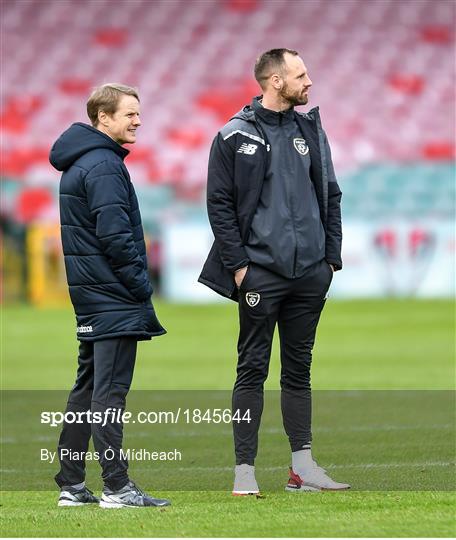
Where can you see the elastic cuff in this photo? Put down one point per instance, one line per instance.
(117, 484)
(245, 461)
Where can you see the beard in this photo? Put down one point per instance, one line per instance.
(293, 98)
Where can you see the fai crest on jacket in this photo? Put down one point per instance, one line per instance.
(301, 146)
(252, 298)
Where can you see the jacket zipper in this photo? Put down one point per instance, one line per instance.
(293, 222)
(260, 186)
(295, 257)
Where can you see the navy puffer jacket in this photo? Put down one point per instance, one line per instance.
(102, 238)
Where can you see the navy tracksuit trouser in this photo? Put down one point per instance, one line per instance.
(105, 372)
(295, 305)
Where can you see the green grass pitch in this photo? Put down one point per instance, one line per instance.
(361, 345)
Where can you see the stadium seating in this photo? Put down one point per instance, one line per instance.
(382, 75)
(410, 190)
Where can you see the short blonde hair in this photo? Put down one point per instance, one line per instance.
(106, 98)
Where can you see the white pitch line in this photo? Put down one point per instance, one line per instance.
(347, 466)
(332, 466)
(271, 431)
(282, 468)
(364, 428)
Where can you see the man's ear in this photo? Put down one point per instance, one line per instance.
(102, 118)
(276, 81)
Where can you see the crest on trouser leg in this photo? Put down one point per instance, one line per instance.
(252, 298)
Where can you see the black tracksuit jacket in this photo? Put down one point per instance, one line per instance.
(234, 186)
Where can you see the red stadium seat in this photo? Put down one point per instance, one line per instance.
(437, 34)
(439, 151)
(242, 5)
(407, 84)
(16, 162)
(31, 203)
(17, 112)
(190, 137)
(75, 86)
(111, 37)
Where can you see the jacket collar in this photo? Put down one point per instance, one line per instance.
(268, 116)
(249, 115)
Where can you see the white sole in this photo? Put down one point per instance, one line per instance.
(311, 488)
(301, 489)
(112, 504)
(71, 503)
(106, 503)
(241, 493)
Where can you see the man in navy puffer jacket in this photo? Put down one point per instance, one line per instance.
(106, 266)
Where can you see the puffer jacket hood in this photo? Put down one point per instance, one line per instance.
(76, 141)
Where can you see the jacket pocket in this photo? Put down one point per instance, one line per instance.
(246, 277)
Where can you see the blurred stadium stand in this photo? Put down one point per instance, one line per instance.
(383, 74)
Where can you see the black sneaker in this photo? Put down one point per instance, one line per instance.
(129, 495)
(70, 496)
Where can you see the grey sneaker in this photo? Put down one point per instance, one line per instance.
(315, 479)
(129, 495)
(244, 480)
(70, 496)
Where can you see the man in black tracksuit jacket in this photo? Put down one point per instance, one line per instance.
(106, 267)
(274, 207)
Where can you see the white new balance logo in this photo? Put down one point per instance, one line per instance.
(248, 149)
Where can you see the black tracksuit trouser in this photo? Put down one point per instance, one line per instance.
(266, 298)
(105, 372)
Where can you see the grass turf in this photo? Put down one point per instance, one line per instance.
(361, 345)
(197, 514)
(385, 344)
